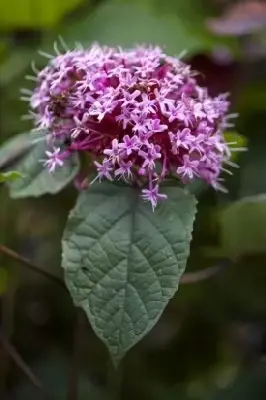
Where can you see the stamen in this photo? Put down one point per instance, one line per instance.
(63, 43)
(31, 78)
(26, 91)
(23, 98)
(57, 52)
(34, 69)
(44, 54)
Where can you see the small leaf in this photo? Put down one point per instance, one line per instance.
(16, 147)
(239, 141)
(38, 180)
(123, 262)
(249, 212)
(10, 176)
(25, 160)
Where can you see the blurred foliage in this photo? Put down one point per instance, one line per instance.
(175, 25)
(3, 280)
(236, 238)
(34, 14)
(211, 341)
(236, 141)
(35, 181)
(246, 387)
(10, 176)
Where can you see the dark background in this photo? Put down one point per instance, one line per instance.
(210, 343)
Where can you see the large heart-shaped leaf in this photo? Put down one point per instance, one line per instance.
(25, 153)
(123, 262)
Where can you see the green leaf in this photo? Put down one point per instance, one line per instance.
(127, 23)
(253, 169)
(243, 226)
(10, 176)
(16, 147)
(33, 13)
(37, 180)
(197, 187)
(15, 64)
(3, 49)
(123, 262)
(239, 141)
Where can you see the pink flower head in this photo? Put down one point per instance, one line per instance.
(139, 114)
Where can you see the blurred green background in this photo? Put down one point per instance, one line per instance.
(210, 343)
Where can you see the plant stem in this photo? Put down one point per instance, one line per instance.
(72, 392)
(29, 264)
(187, 278)
(204, 274)
(12, 352)
(7, 327)
(114, 381)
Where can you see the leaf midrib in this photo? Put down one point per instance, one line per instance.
(134, 204)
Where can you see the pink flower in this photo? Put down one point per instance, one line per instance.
(130, 144)
(53, 160)
(181, 139)
(153, 195)
(113, 153)
(124, 170)
(104, 170)
(150, 156)
(156, 126)
(138, 112)
(189, 168)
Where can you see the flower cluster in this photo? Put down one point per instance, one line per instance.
(139, 113)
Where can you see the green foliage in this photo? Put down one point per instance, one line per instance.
(10, 176)
(243, 226)
(15, 64)
(237, 141)
(249, 385)
(132, 22)
(3, 280)
(175, 25)
(3, 49)
(128, 24)
(53, 368)
(253, 170)
(123, 262)
(33, 13)
(26, 152)
(15, 148)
